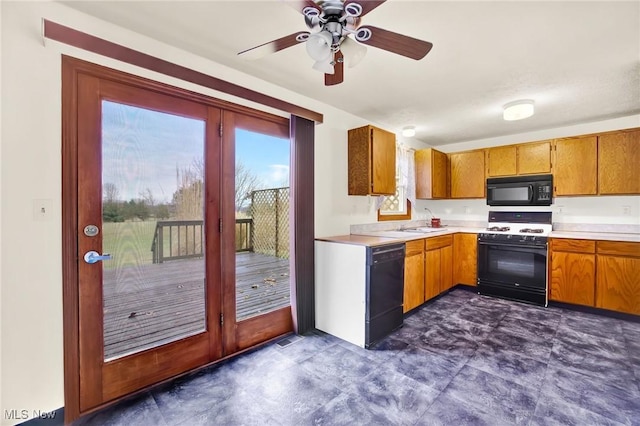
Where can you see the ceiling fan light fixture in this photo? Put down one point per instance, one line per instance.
(353, 51)
(319, 45)
(324, 66)
(409, 131)
(518, 110)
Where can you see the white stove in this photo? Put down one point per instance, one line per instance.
(518, 227)
(512, 256)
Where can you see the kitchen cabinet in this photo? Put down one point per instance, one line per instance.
(465, 259)
(575, 166)
(432, 174)
(467, 171)
(521, 159)
(619, 163)
(414, 274)
(618, 276)
(438, 265)
(371, 161)
(534, 158)
(501, 161)
(572, 271)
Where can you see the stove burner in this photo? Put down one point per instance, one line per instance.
(499, 228)
(532, 230)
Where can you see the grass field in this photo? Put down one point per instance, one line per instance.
(128, 242)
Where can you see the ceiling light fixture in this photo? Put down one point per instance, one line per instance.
(518, 110)
(409, 131)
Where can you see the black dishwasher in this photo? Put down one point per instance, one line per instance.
(385, 291)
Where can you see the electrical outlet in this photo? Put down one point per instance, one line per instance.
(467, 210)
(559, 209)
(626, 210)
(42, 209)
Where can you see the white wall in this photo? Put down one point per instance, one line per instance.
(32, 358)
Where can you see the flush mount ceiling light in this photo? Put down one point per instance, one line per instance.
(517, 110)
(409, 131)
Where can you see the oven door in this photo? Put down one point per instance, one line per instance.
(516, 265)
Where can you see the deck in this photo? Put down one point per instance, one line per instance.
(153, 304)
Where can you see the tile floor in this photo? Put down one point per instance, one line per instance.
(462, 359)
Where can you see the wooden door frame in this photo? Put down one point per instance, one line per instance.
(71, 69)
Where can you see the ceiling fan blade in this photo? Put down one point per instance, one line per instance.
(275, 45)
(299, 5)
(396, 43)
(367, 5)
(338, 71)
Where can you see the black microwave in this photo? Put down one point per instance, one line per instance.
(520, 191)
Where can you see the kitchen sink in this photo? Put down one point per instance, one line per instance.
(423, 230)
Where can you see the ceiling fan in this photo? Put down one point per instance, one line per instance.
(334, 25)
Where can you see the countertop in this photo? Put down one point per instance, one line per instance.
(377, 238)
(604, 236)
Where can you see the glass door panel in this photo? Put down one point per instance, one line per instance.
(262, 223)
(152, 228)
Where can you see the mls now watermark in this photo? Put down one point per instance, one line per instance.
(29, 414)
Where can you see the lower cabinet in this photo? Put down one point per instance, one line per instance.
(465, 253)
(573, 271)
(438, 265)
(413, 275)
(618, 276)
(602, 274)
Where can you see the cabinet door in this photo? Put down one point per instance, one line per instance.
(446, 268)
(465, 253)
(432, 274)
(467, 174)
(573, 278)
(619, 163)
(413, 281)
(383, 162)
(618, 284)
(575, 166)
(534, 158)
(432, 171)
(502, 161)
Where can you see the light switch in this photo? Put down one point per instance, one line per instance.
(42, 209)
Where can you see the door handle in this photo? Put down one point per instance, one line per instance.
(94, 256)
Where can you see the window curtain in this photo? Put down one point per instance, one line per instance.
(407, 172)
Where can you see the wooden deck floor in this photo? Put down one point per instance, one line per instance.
(158, 303)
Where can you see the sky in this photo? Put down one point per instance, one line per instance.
(142, 149)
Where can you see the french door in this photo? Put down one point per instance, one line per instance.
(150, 248)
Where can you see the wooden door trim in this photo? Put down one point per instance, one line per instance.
(81, 40)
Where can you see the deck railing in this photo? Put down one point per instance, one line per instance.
(184, 239)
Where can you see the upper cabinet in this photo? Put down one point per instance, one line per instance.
(534, 158)
(522, 159)
(372, 161)
(619, 162)
(575, 166)
(432, 174)
(467, 174)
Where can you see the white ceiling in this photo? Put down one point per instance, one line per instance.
(579, 61)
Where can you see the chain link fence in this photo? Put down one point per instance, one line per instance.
(270, 214)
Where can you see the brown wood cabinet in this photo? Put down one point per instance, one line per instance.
(438, 265)
(372, 161)
(619, 163)
(413, 275)
(534, 158)
(572, 272)
(465, 259)
(502, 161)
(467, 174)
(575, 166)
(618, 276)
(432, 174)
(520, 159)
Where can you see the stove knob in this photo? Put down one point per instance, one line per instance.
(524, 238)
(508, 237)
